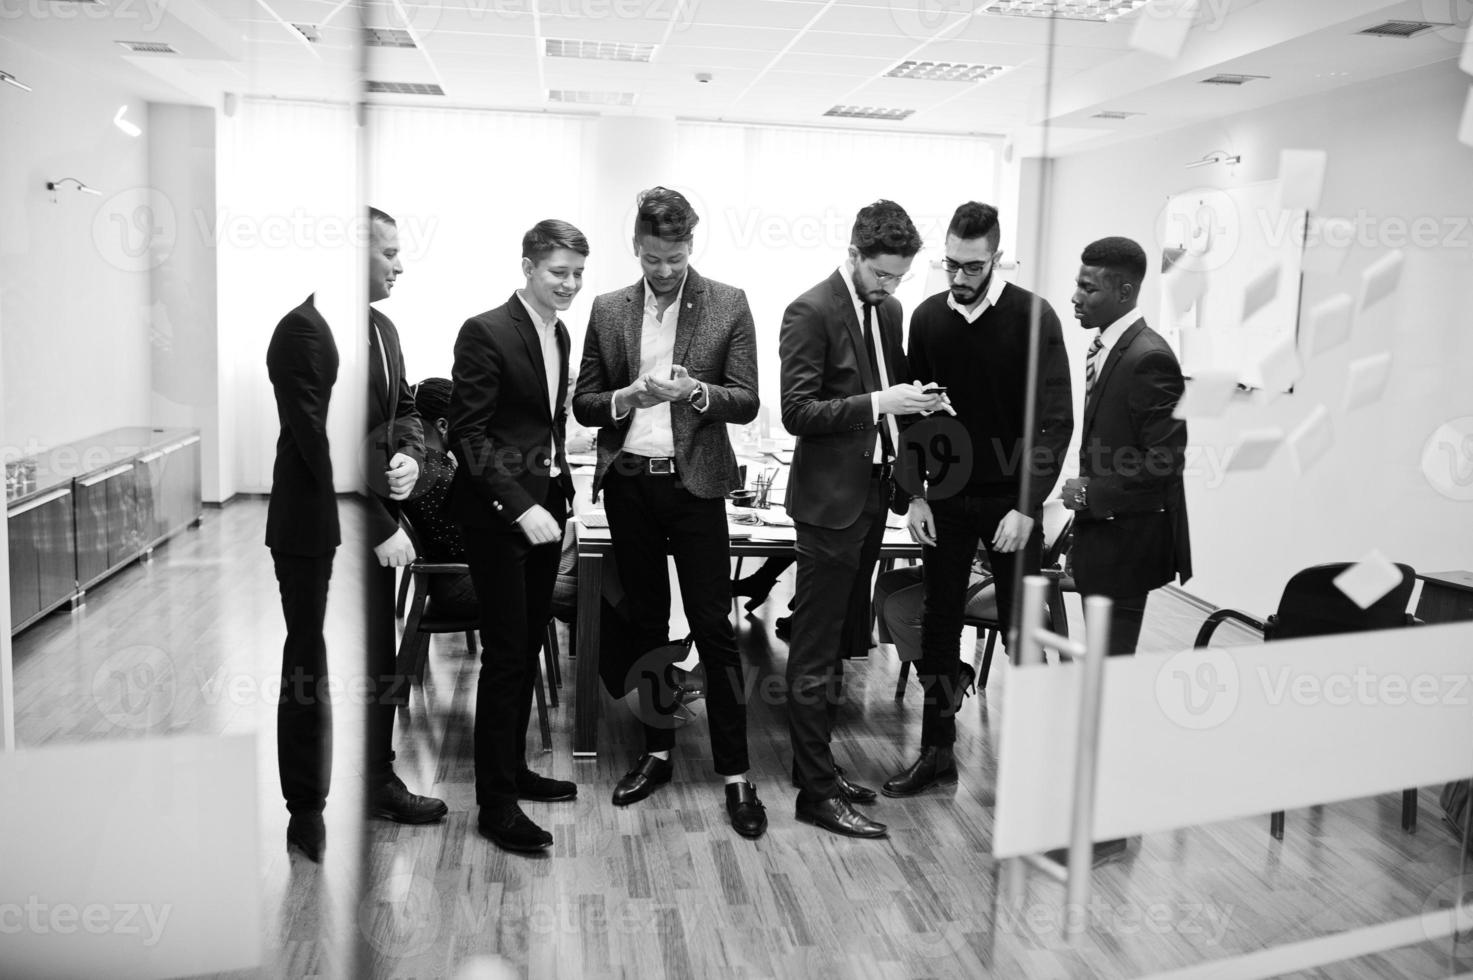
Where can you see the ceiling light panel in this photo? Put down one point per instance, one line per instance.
(589, 97)
(308, 31)
(868, 112)
(944, 71)
(405, 88)
(1097, 10)
(149, 47)
(598, 50)
(387, 37)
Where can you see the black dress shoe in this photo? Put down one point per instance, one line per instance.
(541, 789)
(641, 781)
(508, 827)
(755, 587)
(1105, 851)
(836, 815)
(853, 792)
(392, 800)
(748, 815)
(305, 832)
(934, 766)
(783, 627)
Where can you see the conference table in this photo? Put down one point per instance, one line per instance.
(773, 537)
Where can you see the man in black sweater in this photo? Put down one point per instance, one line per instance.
(974, 341)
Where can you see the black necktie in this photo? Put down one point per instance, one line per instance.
(874, 364)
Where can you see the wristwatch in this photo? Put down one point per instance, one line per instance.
(698, 394)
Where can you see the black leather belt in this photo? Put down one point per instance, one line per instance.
(635, 464)
(882, 471)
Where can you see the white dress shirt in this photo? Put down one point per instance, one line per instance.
(994, 290)
(847, 269)
(1110, 336)
(551, 363)
(649, 432)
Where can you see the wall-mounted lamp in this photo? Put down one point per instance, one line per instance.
(10, 79)
(1216, 156)
(125, 125)
(54, 185)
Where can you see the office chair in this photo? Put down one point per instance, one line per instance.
(1311, 605)
(1058, 521)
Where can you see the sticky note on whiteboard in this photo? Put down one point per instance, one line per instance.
(1380, 279)
(1301, 179)
(1369, 580)
(1312, 438)
(1329, 324)
(1207, 395)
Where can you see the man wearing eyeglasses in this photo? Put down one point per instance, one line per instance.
(974, 339)
(842, 382)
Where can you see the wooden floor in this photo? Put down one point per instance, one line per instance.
(665, 888)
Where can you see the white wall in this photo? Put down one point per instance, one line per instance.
(1394, 158)
(74, 279)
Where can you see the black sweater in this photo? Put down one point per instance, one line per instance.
(984, 366)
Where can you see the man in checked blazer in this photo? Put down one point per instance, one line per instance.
(510, 495)
(667, 363)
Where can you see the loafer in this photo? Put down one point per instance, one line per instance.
(748, 815)
(853, 792)
(1105, 852)
(392, 800)
(541, 789)
(934, 767)
(305, 832)
(838, 816)
(509, 828)
(641, 781)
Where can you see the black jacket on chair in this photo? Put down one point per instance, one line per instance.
(302, 362)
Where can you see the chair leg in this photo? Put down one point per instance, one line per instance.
(986, 660)
(404, 578)
(411, 661)
(904, 675)
(470, 644)
(549, 658)
(542, 709)
(1276, 824)
(555, 649)
(1409, 810)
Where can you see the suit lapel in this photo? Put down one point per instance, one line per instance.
(850, 319)
(1092, 401)
(564, 344)
(692, 308)
(378, 383)
(633, 327)
(521, 319)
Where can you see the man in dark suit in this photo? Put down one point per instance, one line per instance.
(395, 448)
(1130, 526)
(302, 533)
(510, 495)
(842, 391)
(667, 363)
(975, 339)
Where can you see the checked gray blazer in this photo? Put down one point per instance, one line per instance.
(714, 340)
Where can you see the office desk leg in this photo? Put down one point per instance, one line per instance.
(587, 696)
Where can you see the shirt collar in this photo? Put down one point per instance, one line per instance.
(650, 300)
(537, 321)
(1110, 336)
(847, 271)
(995, 286)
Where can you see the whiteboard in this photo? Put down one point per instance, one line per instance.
(1245, 254)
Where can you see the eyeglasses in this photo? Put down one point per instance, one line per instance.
(969, 269)
(889, 278)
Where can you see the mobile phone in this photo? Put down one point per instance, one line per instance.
(934, 390)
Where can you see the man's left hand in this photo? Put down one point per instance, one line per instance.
(403, 473)
(1076, 493)
(1012, 532)
(677, 389)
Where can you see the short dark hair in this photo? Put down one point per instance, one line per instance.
(883, 228)
(665, 214)
(549, 235)
(432, 398)
(975, 220)
(374, 214)
(1121, 258)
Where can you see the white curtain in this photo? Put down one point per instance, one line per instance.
(777, 205)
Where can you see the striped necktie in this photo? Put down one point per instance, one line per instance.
(1092, 364)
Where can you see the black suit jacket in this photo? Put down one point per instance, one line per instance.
(826, 386)
(302, 362)
(1133, 537)
(393, 427)
(500, 421)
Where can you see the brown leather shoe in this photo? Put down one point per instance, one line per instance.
(934, 767)
(838, 816)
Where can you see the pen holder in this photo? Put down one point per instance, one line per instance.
(762, 488)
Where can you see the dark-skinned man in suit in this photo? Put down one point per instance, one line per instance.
(510, 495)
(667, 363)
(842, 393)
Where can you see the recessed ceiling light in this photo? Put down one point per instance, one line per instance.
(867, 112)
(1401, 28)
(598, 50)
(1230, 79)
(1116, 114)
(405, 88)
(1099, 10)
(149, 47)
(388, 37)
(586, 97)
(308, 31)
(943, 71)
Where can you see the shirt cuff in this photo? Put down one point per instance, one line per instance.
(874, 406)
(702, 401)
(517, 521)
(614, 408)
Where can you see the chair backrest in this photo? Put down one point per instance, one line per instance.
(1312, 606)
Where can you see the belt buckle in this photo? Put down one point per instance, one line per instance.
(661, 466)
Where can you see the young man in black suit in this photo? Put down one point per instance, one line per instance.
(667, 363)
(302, 533)
(510, 494)
(1130, 509)
(842, 389)
(974, 340)
(396, 449)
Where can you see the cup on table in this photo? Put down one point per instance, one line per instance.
(745, 500)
